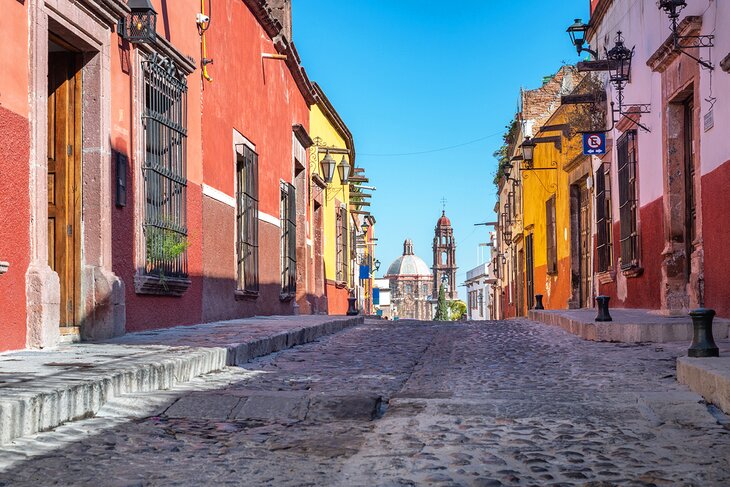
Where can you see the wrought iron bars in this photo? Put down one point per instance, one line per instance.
(165, 128)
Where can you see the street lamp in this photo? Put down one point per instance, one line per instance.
(577, 32)
(528, 150)
(140, 25)
(619, 62)
(343, 168)
(376, 264)
(365, 226)
(328, 167)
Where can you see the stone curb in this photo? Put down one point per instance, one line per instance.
(31, 412)
(656, 332)
(708, 377)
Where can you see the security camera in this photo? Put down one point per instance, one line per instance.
(202, 19)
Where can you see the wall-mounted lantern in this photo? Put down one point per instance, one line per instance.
(140, 25)
(328, 164)
(343, 168)
(619, 62)
(577, 32)
(619, 74)
(365, 227)
(528, 150)
(376, 264)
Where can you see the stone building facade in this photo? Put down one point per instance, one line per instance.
(411, 284)
(444, 259)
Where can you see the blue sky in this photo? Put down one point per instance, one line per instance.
(414, 76)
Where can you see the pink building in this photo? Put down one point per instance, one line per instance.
(667, 182)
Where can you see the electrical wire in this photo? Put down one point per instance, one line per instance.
(430, 151)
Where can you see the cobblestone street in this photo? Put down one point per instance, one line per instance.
(403, 403)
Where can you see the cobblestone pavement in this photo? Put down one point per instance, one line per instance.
(403, 403)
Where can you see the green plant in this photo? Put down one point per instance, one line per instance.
(509, 138)
(163, 246)
(442, 308)
(457, 310)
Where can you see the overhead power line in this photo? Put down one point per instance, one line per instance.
(430, 151)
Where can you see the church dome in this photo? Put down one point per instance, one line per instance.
(408, 264)
(444, 220)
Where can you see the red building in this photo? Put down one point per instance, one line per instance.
(137, 193)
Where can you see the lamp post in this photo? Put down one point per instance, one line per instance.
(140, 26)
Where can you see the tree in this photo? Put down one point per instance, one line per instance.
(457, 310)
(442, 308)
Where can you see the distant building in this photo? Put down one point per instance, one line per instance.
(411, 284)
(381, 298)
(479, 287)
(444, 259)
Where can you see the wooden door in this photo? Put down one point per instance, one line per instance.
(586, 275)
(64, 191)
(530, 271)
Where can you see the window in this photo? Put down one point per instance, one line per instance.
(551, 237)
(604, 245)
(627, 153)
(247, 210)
(288, 216)
(164, 123)
(341, 242)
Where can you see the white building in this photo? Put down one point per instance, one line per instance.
(381, 298)
(479, 289)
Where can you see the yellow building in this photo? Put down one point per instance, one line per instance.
(335, 229)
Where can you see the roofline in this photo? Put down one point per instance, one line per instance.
(274, 29)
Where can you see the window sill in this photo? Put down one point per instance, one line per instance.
(155, 285)
(606, 277)
(286, 296)
(242, 295)
(340, 284)
(632, 272)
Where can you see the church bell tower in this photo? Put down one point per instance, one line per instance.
(444, 259)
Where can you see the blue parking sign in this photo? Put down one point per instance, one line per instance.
(594, 144)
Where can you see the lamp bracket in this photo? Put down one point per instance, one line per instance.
(556, 140)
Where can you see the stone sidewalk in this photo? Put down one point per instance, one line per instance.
(40, 390)
(628, 325)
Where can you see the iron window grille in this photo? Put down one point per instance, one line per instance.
(604, 225)
(551, 237)
(353, 253)
(341, 241)
(164, 123)
(288, 214)
(247, 210)
(627, 152)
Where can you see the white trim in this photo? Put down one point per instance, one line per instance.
(265, 217)
(309, 242)
(219, 195)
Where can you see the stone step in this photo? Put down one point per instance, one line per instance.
(40, 390)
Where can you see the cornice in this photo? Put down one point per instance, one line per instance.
(597, 17)
(108, 11)
(667, 53)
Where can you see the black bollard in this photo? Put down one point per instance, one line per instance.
(351, 308)
(538, 302)
(703, 345)
(603, 314)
